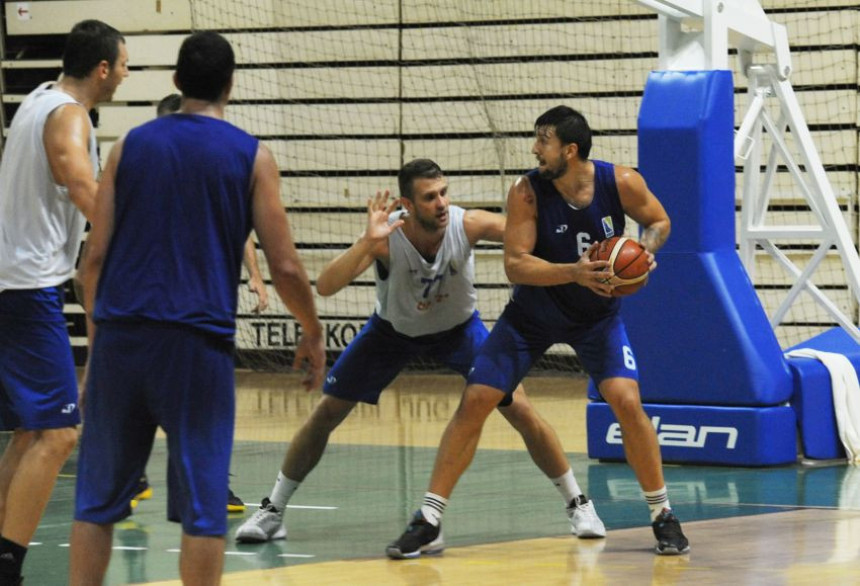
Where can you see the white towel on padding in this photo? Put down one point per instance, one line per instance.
(846, 397)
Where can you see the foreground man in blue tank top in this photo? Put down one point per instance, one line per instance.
(557, 214)
(177, 200)
(423, 256)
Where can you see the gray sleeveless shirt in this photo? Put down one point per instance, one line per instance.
(419, 297)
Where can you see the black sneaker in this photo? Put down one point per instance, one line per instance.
(670, 538)
(143, 490)
(234, 503)
(8, 575)
(419, 538)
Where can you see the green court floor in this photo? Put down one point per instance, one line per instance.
(360, 498)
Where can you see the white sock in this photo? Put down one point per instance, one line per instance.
(433, 507)
(567, 486)
(282, 491)
(657, 501)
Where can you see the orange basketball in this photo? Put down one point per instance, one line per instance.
(627, 261)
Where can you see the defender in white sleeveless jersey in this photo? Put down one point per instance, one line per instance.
(424, 264)
(420, 296)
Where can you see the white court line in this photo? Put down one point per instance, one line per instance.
(240, 553)
(317, 507)
(282, 555)
(54, 525)
(32, 543)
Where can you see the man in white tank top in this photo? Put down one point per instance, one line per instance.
(425, 305)
(47, 191)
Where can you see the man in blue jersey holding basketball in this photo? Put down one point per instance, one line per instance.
(177, 200)
(557, 214)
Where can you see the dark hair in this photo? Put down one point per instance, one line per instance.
(416, 169)
(571, 127)
(205, 66)
(168, 104)
(89, 43)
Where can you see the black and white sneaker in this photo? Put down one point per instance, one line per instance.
(420, 538)
(584, 522)
(670, 538)
(266, 524)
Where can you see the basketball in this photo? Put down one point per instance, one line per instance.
(627, 261)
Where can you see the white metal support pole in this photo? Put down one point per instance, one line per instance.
(716, 34)
(705, 45)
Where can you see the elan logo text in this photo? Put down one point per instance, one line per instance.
(684, 436)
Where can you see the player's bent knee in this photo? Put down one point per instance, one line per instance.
(479, 400)
(58, 443)
(625, 404)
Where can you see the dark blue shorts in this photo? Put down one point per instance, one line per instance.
(143, 376)
(378, 353)
(38, 385)
(516, 342)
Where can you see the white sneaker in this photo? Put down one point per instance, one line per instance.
(264, 525)
(584, 522)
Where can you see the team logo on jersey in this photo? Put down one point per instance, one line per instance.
(608, 227)
(561, 229)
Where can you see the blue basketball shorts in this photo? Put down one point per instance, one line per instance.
(38, 384)
(378, 353)
(143, 376)
(516, 342)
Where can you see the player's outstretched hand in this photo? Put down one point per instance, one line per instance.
(258, 288)
(310, 358)
(378, 210)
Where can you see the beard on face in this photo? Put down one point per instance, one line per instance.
(429, 223)
(550, 174)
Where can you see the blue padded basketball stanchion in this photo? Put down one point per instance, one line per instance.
(700, 334)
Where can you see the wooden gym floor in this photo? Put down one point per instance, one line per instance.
(505, 525)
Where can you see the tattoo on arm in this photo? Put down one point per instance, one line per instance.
(652, 238)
